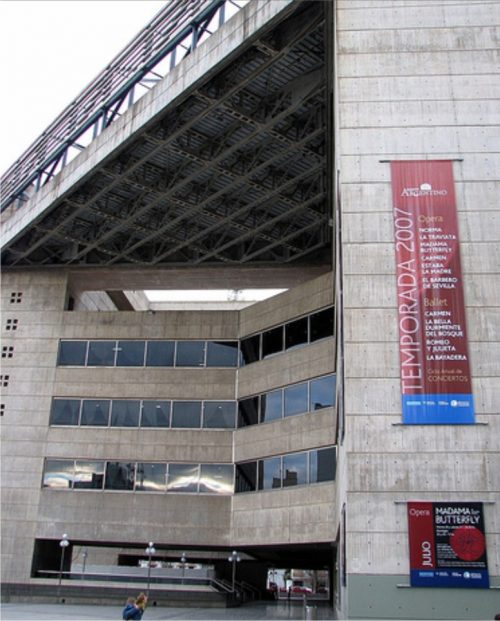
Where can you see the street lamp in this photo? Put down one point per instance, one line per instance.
(64, 543)
(234, 558)
(183, 561)
(150, 550)
(84, 554)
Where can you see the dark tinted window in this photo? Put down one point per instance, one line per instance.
(119, 475)
(95, 412)
(72, 353)
(272, 341)
(183, 478)
(219, 414)
(296, 333)
(125, 413)
(248, 411)
(321, 324)
(155, 414)
(190, 354)
(323, 464)
(271, 406)
(250, 349)
(322, 392)
(65, 412)
(270, 473)
(89, 474)
(216, 478)
(222, 354)
(246, 477)
(296, 400)
(186, 414)
(151, 477)
(130, 354)
(101, 353)
(160, 354)
(295, 469)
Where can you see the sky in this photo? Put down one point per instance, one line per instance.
(49, 52)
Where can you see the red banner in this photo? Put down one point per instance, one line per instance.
(434, 363)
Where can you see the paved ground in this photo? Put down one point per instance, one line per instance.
(249, 612)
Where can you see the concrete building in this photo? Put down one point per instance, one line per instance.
(261, 158)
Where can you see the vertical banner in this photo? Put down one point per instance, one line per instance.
(447, 545)
(434, 363)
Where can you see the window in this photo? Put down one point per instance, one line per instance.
(151, 477)
(296, 401)
(16, 297)
(321, 325)
(160, 353)
(186, 414)
(190, 354)
(216, 478)
(246, 477)
(295, 469)
(65, 412)
(119, 475)
(248, 412)
(155, 414)
(222, 354)
(272, 342)
(270, 473)
(95, 412)
(296, 333)
(271, 406)
(323, 465)
(11, 324)
(183, 478)
(101, 354)
(89, 474)
(125, 413)
(72, 353)
(130, 354)
(250, 349)
(59, 473)
(219, 414)
(322, 392)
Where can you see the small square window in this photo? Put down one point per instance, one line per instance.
(4, 380)
(15, 297)
(7, 351)
(11, 324)
(2, 408)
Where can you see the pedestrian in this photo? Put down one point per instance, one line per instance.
(135, 608)
(129, 607)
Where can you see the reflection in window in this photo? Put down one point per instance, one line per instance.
(130, 354)
(160, 354)
(323, 464)
(89, 474)
(296, 333)
(296, 401)
(186, 414)
(125, 413)
(272, 342)
(58, 473)
(222, 353)
(95, 412)
(271, 406)
(246, 477)
(248, 411)
(295, 469)
(216, 478)
(250, 349)
(119, 475)
(72, 353)
(101, 353)
(65, 412)
(270, 473)
(219, 414)
(322, 392)
(190, 354)
(155, 414)
(183, 478)
(151, 477)
(321, 325)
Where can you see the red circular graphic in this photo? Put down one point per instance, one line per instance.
(468, 543)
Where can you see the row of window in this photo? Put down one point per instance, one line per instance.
(296, 399)
(168, 353)
(303, 468)
(143, 413)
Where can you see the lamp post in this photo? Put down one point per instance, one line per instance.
(234, 558)
(150, 550)
(183, 561)
(84, 555)
(64, 543)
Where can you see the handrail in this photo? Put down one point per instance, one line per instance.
(179, 26)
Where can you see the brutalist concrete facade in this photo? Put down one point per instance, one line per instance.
(412, 79)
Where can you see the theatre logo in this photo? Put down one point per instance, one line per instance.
(425, 189)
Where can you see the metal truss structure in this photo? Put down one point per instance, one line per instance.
(236, 173)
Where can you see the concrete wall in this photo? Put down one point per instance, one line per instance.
(415, 80)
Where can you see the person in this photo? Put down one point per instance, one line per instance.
(129, 607)
(134, 609)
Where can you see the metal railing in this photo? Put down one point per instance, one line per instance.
(172, 34)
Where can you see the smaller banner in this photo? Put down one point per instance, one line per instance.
(447, 545)
(434, 362)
